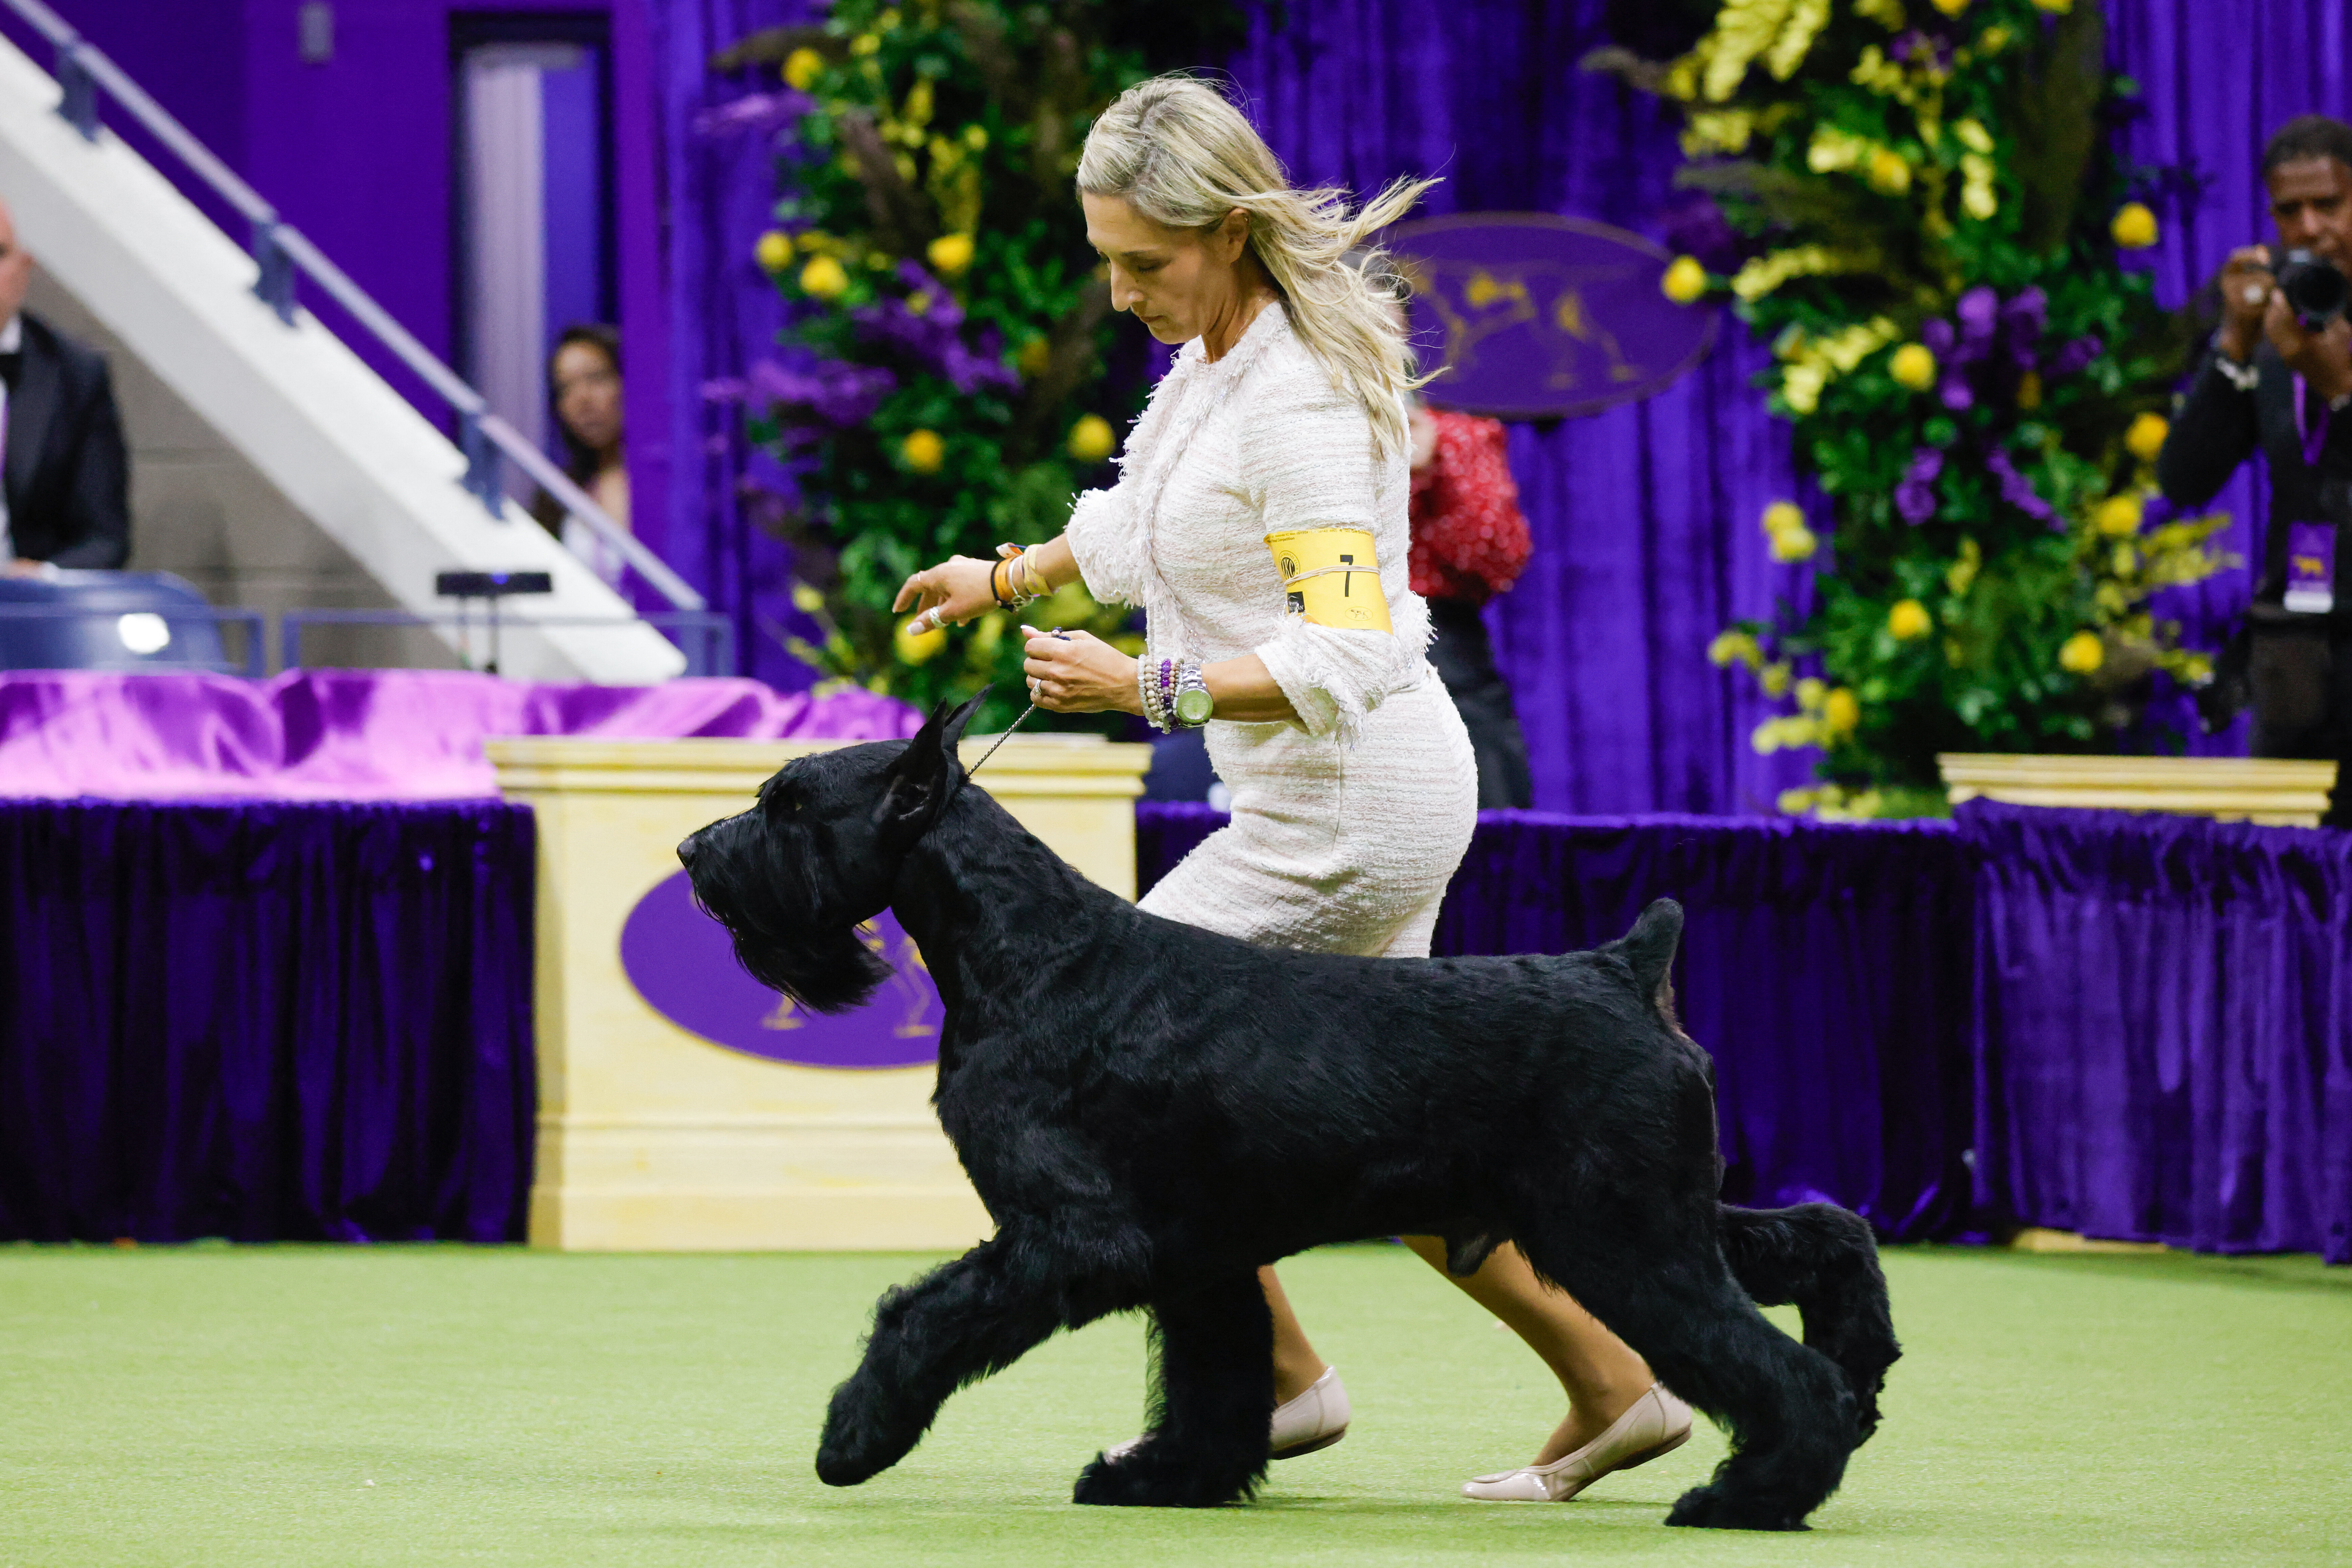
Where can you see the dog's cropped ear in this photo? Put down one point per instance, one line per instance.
(1649, 951)
(927, 774)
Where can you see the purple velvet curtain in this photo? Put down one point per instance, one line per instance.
(2164, 1026)
(268, 1022)
(720, 188)
(1826, 969)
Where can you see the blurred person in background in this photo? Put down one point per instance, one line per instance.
(583, 388)
(66, 499)
(1470, 542)
(2277, 380)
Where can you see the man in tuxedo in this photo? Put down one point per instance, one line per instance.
(64, 477)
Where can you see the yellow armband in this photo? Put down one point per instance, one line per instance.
(1332, 577)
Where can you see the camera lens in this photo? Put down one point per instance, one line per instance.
(2315, 289)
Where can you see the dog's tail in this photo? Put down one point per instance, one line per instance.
(1824, 1259)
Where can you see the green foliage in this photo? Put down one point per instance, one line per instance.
(1972, 376)
(944, 388)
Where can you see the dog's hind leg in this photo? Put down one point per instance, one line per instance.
(959, 1322)
(1824, 1259)
(1215, 1397)
(1787, 1408)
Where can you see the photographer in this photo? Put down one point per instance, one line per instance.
(2279, 378)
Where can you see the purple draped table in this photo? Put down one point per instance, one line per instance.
(2135, 1026)
(375, 734)
(230, 1005)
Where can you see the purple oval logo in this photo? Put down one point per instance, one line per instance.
(1537, 316)
(681, 963)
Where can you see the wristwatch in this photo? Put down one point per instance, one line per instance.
(1194, 705)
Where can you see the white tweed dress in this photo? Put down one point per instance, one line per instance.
(1347, 823)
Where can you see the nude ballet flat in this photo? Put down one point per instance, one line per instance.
(1657, 1424)
(1316, 1419)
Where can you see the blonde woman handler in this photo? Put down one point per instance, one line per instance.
(1354, 789)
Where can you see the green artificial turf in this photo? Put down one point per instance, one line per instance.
(331, 1406)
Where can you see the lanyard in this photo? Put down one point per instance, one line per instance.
(2315, 437)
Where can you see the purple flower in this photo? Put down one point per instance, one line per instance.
(2017, 489)
(828, 396)
(758, 111)
(1698, 227)
(2021, 321)
(2157, 510)
(1937, 334)
(1955, 392)
(1914, 498)
(1980, 312)
(923, 328)
(2074, 356)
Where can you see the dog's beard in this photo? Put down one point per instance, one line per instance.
(829, 971)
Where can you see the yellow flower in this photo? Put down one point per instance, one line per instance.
(1684, 281)
(2146, 437)
(1973, 135)
(950, 254)
(918, 303)
(802, 68)
(1782, 516)
(823, 278)
(975, 136)
(1794, 544)
(1795, 802)
(2029, 391)
(1950, 7)
(1809, 693)
(1889, 175)
(1963, 572)
(2135, 226)
(2118, 517)
(2055, 7)
(1910, 620)
(1091, 439)
(864, 43)
(1773, 678)
(1841, 711)
(1036, 357)
(1800, 387)
(2082, 653)
(774, 251)
(1913, 365)
(913, 646)
(1734, 646)
(1992, 41)
(923, 451)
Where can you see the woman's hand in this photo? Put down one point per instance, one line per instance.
(955, 591)
(1077, 672)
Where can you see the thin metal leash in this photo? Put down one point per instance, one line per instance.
(1000, 741)
(975, 767)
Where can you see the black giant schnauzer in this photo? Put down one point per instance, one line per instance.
(1150, 1111)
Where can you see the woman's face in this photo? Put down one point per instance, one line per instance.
(588, 396)
(1176, 281)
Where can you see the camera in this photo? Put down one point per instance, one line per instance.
(2315, 289)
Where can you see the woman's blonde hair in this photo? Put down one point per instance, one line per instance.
(1180, 154)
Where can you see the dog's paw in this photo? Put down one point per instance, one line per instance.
(863, 1437)
(1140, 1479)
(1712, 1508)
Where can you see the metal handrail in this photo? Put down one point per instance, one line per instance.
(282, 251)
(255, 625)
(717, 642)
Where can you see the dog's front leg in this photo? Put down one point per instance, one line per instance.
(1208, 1443)
(962, 1320)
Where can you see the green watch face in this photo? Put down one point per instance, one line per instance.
(1195, 707)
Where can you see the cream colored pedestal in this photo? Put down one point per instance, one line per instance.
(651, 1138)
(2271, 792)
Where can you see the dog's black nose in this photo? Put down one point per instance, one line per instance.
(688, 850)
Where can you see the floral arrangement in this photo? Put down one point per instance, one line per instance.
(951, 376)
(1913, 200)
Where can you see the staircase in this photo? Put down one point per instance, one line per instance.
(386, 490)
